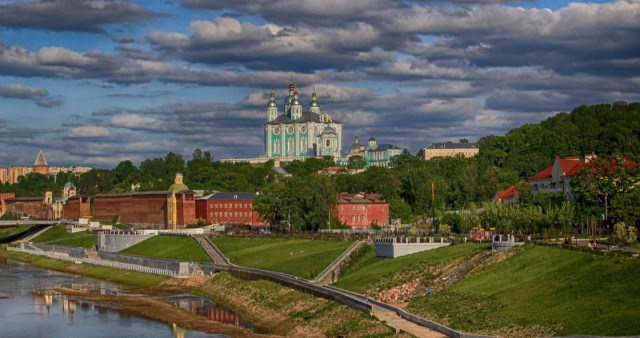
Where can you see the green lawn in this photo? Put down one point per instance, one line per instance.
(567, 292)
(173, 247)
(281, 255)
(57, 232)
(10, 234)
(372, 272)
(86, 242)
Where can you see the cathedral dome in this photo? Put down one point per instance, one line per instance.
(272, 104)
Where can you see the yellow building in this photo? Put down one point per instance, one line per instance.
(39, 166)
(450, 149)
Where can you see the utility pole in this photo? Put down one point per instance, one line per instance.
(433, 203)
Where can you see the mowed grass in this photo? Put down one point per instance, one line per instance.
(174, 247)
(87, 242)
(371, 272)
(11, 233)
(566, 292)
(282, 255)
(124, 277)
(57, 232)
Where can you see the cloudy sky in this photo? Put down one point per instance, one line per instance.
(97, 82)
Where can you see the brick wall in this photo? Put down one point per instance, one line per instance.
(33, 207)
(77, 207)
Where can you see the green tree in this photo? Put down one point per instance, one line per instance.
(357, 162)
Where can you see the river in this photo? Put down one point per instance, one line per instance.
(25, 314)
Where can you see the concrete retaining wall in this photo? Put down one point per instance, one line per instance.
(181, 268)
(397, 247)
(504, 242)
(119, 240)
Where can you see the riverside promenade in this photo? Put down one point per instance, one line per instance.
(396, 318)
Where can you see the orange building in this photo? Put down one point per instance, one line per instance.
(361, 210)
(39, 166)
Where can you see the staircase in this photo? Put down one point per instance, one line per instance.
(211, 250)
(31, 233)
(326, 277)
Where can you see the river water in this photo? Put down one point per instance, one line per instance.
(25, 314)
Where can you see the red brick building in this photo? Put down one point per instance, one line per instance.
(153, 209)
(34, 207)
(228, 207)
(76, 207)
(361, 210)
(171, 209)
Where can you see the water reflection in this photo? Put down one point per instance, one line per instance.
(203, 307)
(25, 313)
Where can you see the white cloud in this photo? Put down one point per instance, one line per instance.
(133, 121)
(89, 132)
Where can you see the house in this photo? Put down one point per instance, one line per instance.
(228, 207)
(360, 210)
(557, 177)
(507, 196)
(450, 149)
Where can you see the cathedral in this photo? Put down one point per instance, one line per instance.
(300, 134)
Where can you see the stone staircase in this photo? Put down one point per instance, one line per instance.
(211, 250)
(332, 272)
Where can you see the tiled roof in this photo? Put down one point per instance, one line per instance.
(306, 117)
(450, 145)
(231, 196)
(507, 193)
(569, 167)
(360, 198)
(383, 147)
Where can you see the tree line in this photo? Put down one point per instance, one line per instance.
(460, 183)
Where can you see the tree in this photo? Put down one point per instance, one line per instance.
(197, 154)
(357, 162)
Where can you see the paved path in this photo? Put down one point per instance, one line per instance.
(325, 277)
(394, 321)
(29, 236)
(211, 250)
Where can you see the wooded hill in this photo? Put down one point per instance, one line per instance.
(503, 161)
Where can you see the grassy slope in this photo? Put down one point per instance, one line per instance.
(371, 271)
(275, 254)
(571, 292)
(57, 232)
(82, 242)
(284, 311)
(130, 278)
(11, 233)
(174, 247)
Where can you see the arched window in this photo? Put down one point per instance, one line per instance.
(328, 143)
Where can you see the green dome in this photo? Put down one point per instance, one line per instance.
(178, 187)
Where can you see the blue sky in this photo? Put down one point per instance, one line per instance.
(97, 82)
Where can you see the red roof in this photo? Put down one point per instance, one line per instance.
(510, 192)
(569, 167)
